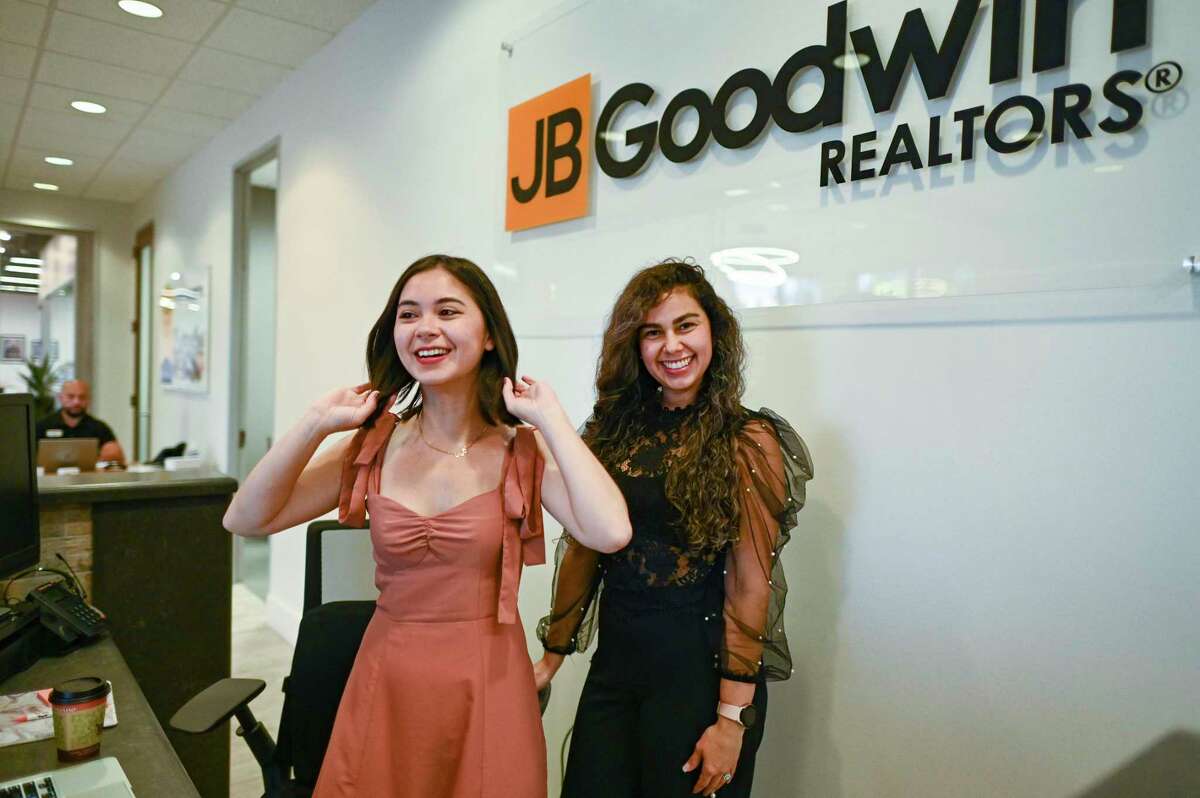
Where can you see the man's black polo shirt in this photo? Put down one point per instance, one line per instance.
(53, 426)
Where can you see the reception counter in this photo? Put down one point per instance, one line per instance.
(151, 552)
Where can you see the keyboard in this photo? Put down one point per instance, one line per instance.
(102, 778)
(41, 788)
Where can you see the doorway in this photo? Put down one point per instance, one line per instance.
(143, 355)
(256, 183)
(45, 311)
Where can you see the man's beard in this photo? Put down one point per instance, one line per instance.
(74, 413)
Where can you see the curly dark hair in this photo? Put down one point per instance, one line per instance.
(387, 373)
(702, 479)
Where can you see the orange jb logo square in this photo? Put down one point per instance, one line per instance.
(549, 157)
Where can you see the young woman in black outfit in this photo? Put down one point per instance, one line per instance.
(691, 611)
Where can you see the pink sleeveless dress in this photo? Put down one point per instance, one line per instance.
(441, 700)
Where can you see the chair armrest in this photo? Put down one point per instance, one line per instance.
(216, 704)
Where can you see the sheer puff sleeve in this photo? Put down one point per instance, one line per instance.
(773, 466)
(572, 620)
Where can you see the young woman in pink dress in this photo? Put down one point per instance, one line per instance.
(441, 701)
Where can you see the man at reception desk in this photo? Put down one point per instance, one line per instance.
(71, 420)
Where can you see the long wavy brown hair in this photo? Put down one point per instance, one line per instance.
(701, 477)
(387, 372)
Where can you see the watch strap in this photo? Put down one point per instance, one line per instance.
(731, 711)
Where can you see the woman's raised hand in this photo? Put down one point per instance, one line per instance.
(531, 401)
(345, 408)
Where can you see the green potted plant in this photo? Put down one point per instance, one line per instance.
(42, 381)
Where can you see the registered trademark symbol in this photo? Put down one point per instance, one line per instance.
(1164, 77)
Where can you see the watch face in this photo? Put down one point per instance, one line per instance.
(749, 716)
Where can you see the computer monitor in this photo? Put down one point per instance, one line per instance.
(20, 538)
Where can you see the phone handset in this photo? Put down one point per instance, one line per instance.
(67, 615)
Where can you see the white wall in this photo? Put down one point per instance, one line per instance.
(992, 581)
(18, 316)
(113, 281)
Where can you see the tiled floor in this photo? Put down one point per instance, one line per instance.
(258, 653)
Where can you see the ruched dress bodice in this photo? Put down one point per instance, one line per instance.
(418, 560)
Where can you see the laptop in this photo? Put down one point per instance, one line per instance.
(56, 453)
(101, 778)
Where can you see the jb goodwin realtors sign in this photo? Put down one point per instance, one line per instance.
(548, 136)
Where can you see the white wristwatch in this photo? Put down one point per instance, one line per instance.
(745, 716)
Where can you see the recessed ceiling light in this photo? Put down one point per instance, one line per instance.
(140, 9)
(2, 250)
(88, 107)
(54, 160)
(5, 235)
(46, 186)
(23, 269)
(20, 280)
(26, 261)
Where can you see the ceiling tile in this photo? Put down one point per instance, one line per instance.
(185, 96)
(266, 38)
(24, 179)
(12, 90)
(156, 148)
(56, 98)
(39, 122)
(172, 121)
(119, 169)
(66, 143)
(29, 160)
(21, 22)
(9, 114)
(328, 15)
(78, 73)
(125, 181)
(16, 61)
(182, 19)
(230, 71)
(112, 44)
(118, 191)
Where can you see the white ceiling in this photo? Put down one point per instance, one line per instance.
(170, 84)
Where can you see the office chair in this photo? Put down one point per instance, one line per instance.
(335, 618)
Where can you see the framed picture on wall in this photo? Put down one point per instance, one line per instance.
(12, 348)
(183, 307)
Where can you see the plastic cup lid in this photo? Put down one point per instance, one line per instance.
(85, 688)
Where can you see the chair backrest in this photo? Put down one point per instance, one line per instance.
(338, 564)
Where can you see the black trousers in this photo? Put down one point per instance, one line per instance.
(651, 692)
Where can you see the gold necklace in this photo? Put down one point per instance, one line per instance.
(457, 453)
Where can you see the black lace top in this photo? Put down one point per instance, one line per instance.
(658, 570)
